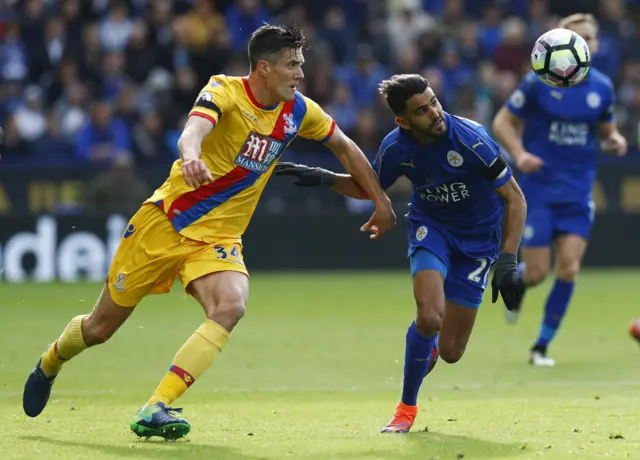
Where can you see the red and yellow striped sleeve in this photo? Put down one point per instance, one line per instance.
(213, 100)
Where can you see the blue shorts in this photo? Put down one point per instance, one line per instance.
(547, 221)
(464, 263)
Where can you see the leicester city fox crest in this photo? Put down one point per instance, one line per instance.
(421, 233)
(454, 159)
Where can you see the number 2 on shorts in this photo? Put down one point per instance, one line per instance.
(476, 276)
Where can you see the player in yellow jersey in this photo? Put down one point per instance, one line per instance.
(192, 225)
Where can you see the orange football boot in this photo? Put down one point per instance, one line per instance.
(405, 415)
(403, 419)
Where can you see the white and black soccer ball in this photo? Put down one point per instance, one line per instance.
(561, 58)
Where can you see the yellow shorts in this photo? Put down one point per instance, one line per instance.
(152, 253)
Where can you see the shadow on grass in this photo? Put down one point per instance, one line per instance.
(159, 450)
(423, 445)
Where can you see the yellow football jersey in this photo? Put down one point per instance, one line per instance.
(241, 152)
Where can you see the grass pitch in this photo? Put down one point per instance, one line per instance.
(314, 371)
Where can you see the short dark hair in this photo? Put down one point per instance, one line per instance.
(268, 42)
(398, 89)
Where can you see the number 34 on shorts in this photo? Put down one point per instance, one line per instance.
(230, 252)
(212, 258)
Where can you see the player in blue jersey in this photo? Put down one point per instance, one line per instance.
(556, 154)
(460, 187)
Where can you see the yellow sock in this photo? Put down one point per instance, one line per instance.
(68, 345)
(195, 357)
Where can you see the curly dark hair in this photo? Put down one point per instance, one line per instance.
(398, 89)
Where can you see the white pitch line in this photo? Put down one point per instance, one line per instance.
(427, 387)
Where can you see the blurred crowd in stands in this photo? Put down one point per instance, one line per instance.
(89, 81)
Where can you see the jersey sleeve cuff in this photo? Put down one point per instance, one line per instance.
(503, 178)
(331, 130)
(513, 110)
(203, 115)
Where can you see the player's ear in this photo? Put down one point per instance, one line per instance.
(263, 68)
(402, 122)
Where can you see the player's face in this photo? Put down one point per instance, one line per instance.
(424, 115)
(286, 73)
(590, 34)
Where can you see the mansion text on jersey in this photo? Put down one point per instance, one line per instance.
(259, 152)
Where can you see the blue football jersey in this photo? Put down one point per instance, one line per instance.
(448, 176)
(561, 127)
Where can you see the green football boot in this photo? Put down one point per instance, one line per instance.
(158, 420)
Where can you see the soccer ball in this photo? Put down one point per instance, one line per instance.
(561, 58)
(634, 329)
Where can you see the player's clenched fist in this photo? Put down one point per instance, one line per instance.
(528, 163)
(196, 173)
(616, 144)
(381, 222)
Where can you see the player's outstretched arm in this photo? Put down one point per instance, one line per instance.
(506, 279)
(306, 176)
(344, 184)
(347, 186)
(515, 215)
(507, 127)
(194, 169)
(358, 167)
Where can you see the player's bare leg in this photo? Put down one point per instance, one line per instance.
(223, 296)
(534, 267)
(456, 330)
(421, 353)
(569, 250)
(82, 332)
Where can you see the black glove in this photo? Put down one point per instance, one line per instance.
(508, 281)
(305, 175)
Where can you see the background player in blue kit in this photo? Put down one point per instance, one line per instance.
(557, 155)
(460, 186)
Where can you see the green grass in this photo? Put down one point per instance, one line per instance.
(314, 371)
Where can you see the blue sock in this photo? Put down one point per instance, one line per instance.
(554, 311)
(417, 358)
